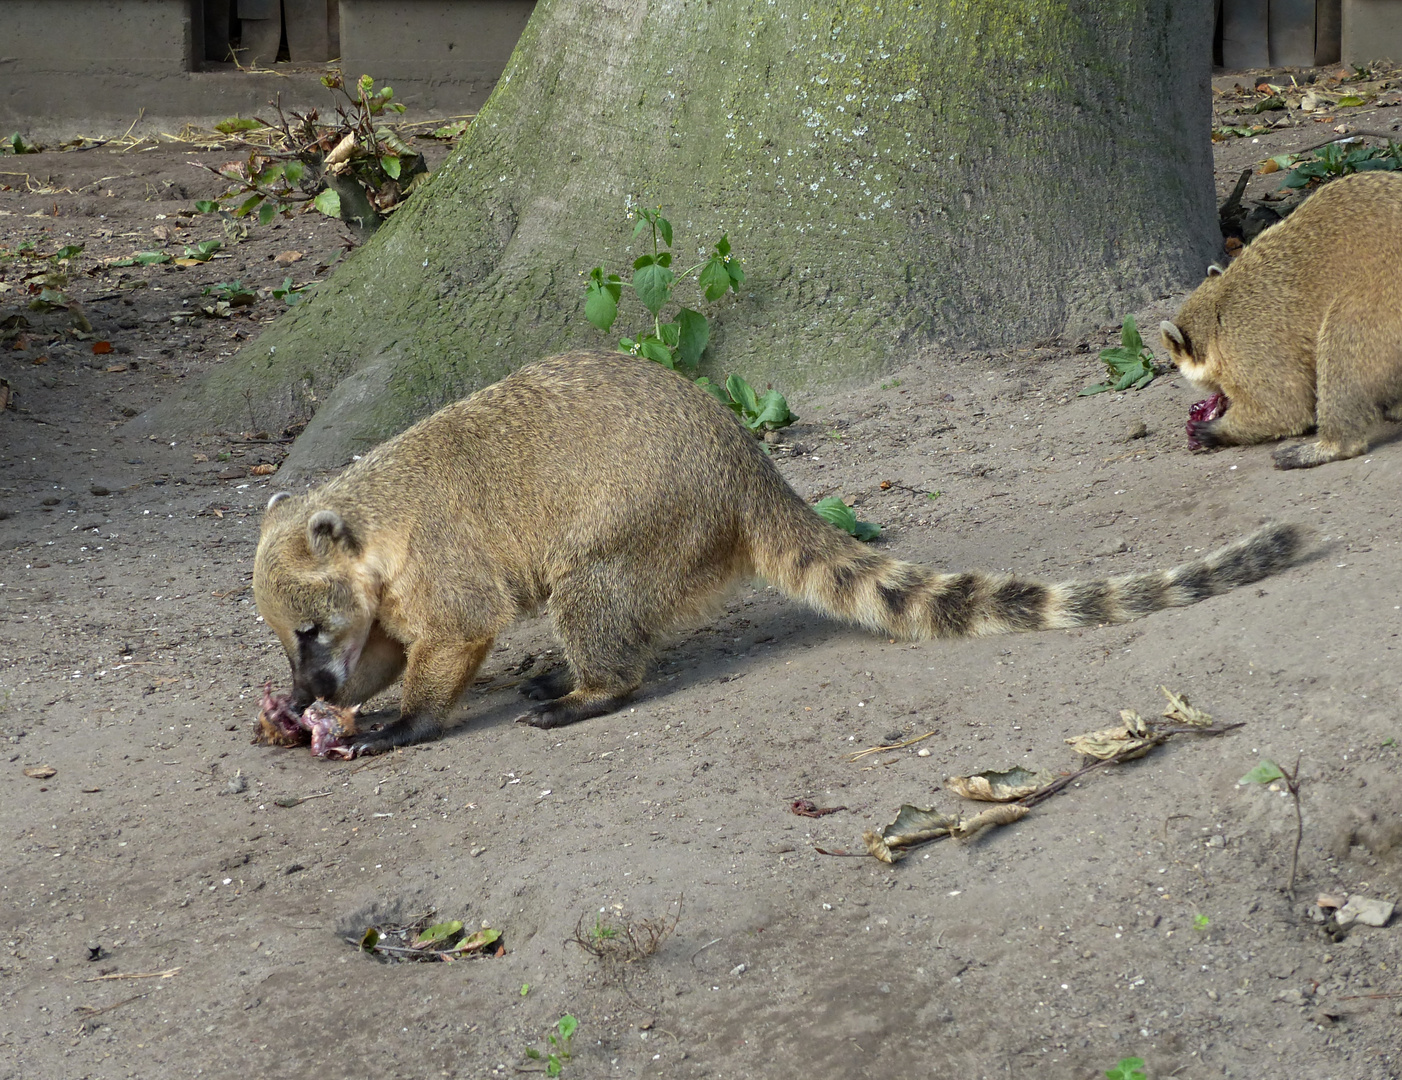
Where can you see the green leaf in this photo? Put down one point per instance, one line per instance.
(653, 284)
(713, 279)
(525, 989)
(391, 165)
(669, 333)
(1350, 99)
(866, 531)
(151, 258)
(1098, 388)
(568, 1026)
(734, 272)
(600, 304)
(665, 228)
(370, 939)
(68, 251)
(715, 391)
(293, 171)
(743, 394)
(1129, 335)
(836, 512)
(533, 1053)
(248, 205)
(207, 206)
(772, 412)
(438, 932)
(695, 333)
(654, 349)
(238, 123)
(1265, 773)
(553, 1067)
(266, 213)
(328, 202)
(203, 251)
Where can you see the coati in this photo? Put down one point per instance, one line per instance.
(1304, 330)
(622, 499)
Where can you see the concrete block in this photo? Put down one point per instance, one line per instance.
(445, 55)
(1371, 30)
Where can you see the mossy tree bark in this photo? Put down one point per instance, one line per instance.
(891, 174)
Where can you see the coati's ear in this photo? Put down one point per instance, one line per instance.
(1213, 270)
(277, 498)
(1172, 334)
(325, 530)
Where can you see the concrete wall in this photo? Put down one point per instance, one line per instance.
(91, 66)
(1372, 30)
(445, 54)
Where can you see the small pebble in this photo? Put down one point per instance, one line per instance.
(237, 784)
(738, 969)
(922, 753)
(98, 489)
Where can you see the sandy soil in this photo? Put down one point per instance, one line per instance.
(166, 913)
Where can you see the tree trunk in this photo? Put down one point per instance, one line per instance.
(893, 175)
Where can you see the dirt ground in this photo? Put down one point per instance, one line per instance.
(169, 908)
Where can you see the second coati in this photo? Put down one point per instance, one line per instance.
(1304, 330)
(622, 500)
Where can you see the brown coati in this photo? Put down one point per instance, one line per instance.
(1304, 330)
(623, 500)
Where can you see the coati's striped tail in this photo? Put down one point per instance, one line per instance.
(816, 563)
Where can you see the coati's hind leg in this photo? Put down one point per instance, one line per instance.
(1358, 380)
(553, 684)
(606, 625)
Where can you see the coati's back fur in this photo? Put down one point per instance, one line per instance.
(1304, 330)
(623, 500)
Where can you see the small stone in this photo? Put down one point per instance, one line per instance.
(98, 489)
(237, 784)
(1136, 430)
(476, 851)
(1212, 995)
(1365, 910)
(922, 753)
(738, 969)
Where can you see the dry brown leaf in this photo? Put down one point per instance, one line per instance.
(263, 470)
(994, 786)
(994, 815)
(1179, 709)
(40, 772)
(286, 258)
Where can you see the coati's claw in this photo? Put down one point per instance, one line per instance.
(405, 731)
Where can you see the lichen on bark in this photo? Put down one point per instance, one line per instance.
(892, 174)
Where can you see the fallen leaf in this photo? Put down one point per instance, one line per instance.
(913, 825)
(101, 347)
(1270, 166)
(263, 470)
(807, 808)
(39, 360)
(994, 786)
(201, 458)
(40, 772)
(994, 815)
(116, 369)
(288, 257)
(1130, 740)
(1179, 709)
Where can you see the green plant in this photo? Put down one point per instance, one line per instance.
(1130, 364)
(679, 343)
(559, 1051)
(837, 512)
(766, 412)
(15, 144)
(1128, 1069)
(1335, 160)
(682, 340)
(235, 292)
(1201, 922)
(356, 169)
(603, 931)
(1268, 772)
(289, 293)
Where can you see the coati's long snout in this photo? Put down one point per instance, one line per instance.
(622, 500)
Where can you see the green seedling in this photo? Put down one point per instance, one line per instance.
(1201, 922)
(1268, 772)
(1131, 1068)
(760, 412)
(289, 293)
(235, 293)
(836, 512)
(1130, 364)
(559, 1051)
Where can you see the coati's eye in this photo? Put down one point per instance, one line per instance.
(311, 630)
